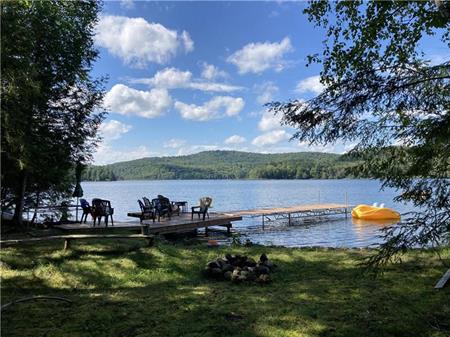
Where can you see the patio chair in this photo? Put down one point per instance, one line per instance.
(86, 209)
(102, 208)
(162, 207)
(147, 202)
(205, 204)
(147, 212)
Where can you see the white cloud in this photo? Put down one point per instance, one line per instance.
(113, 129)
(258, 57)
(187, 41)
(106, 154)
(174, 143)
(216, 87)
(266, 92)
(127, 4)
(217, 107)
(211, 72)
(138, 42)
(310, 84)
(173, 78)
(235, 139)
(128, 101)
(269, 121)
(170, 78)
(271, 138)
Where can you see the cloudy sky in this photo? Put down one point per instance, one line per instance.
(186, 77)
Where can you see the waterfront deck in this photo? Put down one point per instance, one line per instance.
(184, 223)
(176, 224)
(294, 212)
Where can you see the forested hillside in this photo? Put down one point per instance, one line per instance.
(228, 165)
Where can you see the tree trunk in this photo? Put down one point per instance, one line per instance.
(20, 200)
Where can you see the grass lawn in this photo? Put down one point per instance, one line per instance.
(122, 288)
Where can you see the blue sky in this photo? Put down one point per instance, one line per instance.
(186, 77)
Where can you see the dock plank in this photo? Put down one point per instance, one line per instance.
(165, 226)
(287, 210)
(69, 238)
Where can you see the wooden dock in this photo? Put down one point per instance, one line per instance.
(176, 224)
(294, 212)
(184, 223)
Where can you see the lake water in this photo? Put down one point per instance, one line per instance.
(229, 195)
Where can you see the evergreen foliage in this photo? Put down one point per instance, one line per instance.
(48, 99)
(381, 91)
(228, 165)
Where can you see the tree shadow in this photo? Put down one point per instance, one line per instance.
(161, 291)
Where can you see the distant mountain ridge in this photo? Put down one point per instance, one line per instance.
(227, 165)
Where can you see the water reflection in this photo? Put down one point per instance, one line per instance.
(378, 222)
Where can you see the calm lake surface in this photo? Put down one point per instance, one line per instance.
(229, 195)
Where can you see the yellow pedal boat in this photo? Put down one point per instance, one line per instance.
(367, 212)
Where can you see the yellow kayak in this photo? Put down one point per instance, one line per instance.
(367, 212)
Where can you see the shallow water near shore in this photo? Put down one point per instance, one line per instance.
(232, 195)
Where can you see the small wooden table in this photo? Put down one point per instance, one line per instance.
(183, 205)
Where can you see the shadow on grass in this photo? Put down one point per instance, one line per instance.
(161, 291)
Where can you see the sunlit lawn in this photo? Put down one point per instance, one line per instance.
(121, 288)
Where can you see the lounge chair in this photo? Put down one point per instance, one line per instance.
(147, 212)
(86, 209)
(102, 208)
(162, 207)
(205, 204)
(147, 202)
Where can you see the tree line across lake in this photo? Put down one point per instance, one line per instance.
(230, 165)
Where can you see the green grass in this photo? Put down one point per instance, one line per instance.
(124, 289)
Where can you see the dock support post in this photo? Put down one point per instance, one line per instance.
(67, 244)
(289, 219)
(206, 231)
(263, 221)
(346, 205)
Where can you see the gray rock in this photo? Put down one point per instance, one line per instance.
(251, 276)
(250, 262)
(264, 278)
(227, 267)
(261, 269)
(263, 257)
(269, 264)
(213, 264)
(228, 275)
(236, 272)
(222, 262)
(241, 278)
(216, 272)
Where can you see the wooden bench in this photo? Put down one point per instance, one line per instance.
(443, 280)
(69, 238)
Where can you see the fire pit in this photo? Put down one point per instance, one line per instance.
(240, 268)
